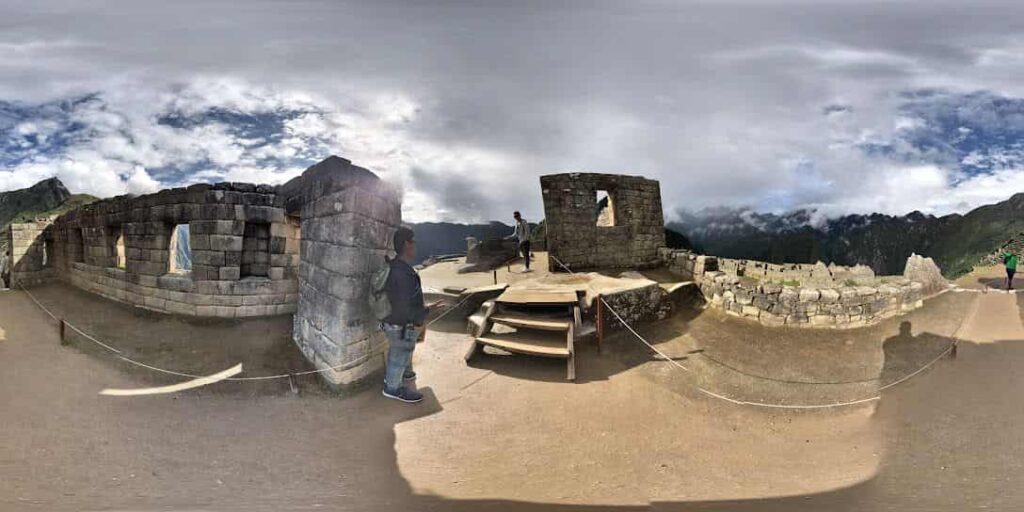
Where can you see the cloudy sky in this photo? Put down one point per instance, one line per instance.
(841, 106)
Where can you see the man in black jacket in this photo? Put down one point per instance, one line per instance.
(403, 326)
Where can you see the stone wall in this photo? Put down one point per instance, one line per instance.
(348, 218)
(572, 216)
(808, 274)
(30, 253)
(775, 304)
(688, 265)
(805, 295)
(119, 248)
(307, 247)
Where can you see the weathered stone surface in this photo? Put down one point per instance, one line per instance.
(923, 270)
(808, 294)
(571, 217)
(776, 303)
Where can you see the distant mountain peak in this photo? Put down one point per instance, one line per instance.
(42, 197)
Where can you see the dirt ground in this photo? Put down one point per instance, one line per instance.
(507, 432)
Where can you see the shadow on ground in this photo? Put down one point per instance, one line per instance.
(952, 434)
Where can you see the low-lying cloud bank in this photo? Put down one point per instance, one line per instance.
(840, 107)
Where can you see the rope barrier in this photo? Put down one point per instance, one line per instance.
(708, 392)
(340, 367)
(87, 336)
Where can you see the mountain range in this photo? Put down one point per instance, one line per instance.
(883, 242)
(956, 242)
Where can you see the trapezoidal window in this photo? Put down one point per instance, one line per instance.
(255, 250)
(120, 259)
(47, 253)
(605, 216)
(179, 251)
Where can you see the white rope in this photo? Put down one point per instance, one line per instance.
(449, 310)
(761, 404)
(173, 372)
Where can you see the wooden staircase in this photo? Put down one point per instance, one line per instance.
(539, 323)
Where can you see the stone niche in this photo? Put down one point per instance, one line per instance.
(623, 228)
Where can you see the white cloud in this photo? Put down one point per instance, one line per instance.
(467, 109)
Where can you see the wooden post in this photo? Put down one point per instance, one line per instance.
(63, 340)
(600, 325)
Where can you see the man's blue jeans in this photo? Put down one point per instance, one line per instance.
(401, 343)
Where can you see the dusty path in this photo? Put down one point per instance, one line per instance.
(507, 433)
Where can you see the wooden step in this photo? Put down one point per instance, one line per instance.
(531, 343)
(532, 322)
(537, 297)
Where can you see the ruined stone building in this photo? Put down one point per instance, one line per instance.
(235, 250)
(626, 231)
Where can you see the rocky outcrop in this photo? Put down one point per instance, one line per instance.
(41, 197)
(924, 270)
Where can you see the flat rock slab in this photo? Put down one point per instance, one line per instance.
(528, 296)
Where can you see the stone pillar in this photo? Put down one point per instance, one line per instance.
(348, 218)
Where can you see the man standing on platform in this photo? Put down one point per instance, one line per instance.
(522, 235)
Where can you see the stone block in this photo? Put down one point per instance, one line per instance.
(263, 214)
(225, 242)
(797, 318)
(204, 272)
(179, 308)
(217, 227)
(210, 258)
(829, 295)
(822, 320)
(154, 303)
(229, 273)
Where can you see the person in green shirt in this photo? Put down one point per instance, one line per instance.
(1010, 260)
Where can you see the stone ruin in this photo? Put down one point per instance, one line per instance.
(308, 247)
(305, 248)
(625, 233)
(807, 295)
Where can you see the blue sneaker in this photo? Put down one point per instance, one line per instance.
(403, 394)
(409, 375)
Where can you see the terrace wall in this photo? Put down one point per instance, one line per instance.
(84, 250)
(805, 295)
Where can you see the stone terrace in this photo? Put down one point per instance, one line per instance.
(806, 295)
